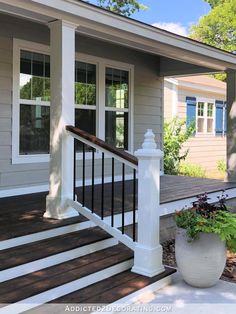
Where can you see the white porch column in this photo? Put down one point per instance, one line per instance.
(61, 114)
(231, 126)
(148, 251)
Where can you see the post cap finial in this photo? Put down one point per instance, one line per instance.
(149, 140)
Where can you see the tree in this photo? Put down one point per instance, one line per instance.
(218, 27)
(123, 7)
(214, 3)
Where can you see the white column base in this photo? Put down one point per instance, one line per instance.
(57, 208)
(148, 262)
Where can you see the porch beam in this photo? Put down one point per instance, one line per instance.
(231, 126)
(62, 113)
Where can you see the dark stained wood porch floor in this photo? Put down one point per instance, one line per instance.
(22, 215)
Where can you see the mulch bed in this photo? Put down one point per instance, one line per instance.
(229, 273)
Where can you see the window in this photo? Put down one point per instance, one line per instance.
(210, 115)
(103, 101)
(205, 117)
(85, 98)
(34, 103)
(117, 107)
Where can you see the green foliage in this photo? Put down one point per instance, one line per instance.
(218, 27)
(191, 170)
(221, 166)
(175, 134)
(208, 218)
(123, 7)
(214, 3)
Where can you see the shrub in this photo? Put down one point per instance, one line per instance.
(175, 134)
(221, 166)
(191, 170)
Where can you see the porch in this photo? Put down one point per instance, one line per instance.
(23, 215)
(46, 260)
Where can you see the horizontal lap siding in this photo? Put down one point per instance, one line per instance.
(206, 151)
(147, 99)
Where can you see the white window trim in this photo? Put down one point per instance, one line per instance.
(205, 101)
(101, 64)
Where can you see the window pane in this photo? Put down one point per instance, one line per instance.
(85, 86)
(209, 125)
(35, 76)
(34, 129)
(200, 125)
(116, 129)
(38, 64)
(26, 62)
(200, 109)
(117, 88)
(210, 110)
(25, 86)
(85, 120)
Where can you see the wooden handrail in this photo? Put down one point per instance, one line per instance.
(100, 143)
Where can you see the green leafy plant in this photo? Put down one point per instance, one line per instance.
(209, 218)
(191, 170)
(221, 166)
(175, 134)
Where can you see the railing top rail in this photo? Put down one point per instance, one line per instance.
(96, 142)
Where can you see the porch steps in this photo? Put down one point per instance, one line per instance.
(27, 258)
(37, 288)
(113, 289)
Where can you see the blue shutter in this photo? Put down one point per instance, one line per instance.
(225, 117)
(219, 117)
(191, 110)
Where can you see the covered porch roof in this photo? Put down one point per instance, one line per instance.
(179, 55)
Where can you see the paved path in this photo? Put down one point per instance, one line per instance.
(181, 298)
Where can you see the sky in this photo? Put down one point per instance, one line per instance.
(173, 15)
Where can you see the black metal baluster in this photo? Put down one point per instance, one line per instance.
(74, 178)
(83, 187)
(102, 192)
(123, 198)
(92, 206)
(112, 192)
(134, 204)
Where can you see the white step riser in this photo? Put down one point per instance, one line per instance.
(34, 237)
(70, 287)
(55, 259)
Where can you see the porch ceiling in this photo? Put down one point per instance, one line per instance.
(99, 23)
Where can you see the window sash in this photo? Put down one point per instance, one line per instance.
(203, 108)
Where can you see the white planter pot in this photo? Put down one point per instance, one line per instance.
(202, 261)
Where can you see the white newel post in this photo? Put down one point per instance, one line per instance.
(148, 251)
(61, 114)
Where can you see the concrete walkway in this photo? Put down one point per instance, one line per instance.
(182, 298)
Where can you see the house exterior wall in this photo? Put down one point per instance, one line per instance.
(204, 150)
(147, 108)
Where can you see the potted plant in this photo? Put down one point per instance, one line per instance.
(204, 233)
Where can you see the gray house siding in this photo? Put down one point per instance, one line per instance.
(147, 97)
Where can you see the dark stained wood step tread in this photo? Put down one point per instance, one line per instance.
(30, 252)
(112, 289)
(26, 286)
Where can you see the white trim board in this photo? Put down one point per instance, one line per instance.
(55, 293)
(45, 187)
(42, 235)
(55, 259)
(171, 207)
